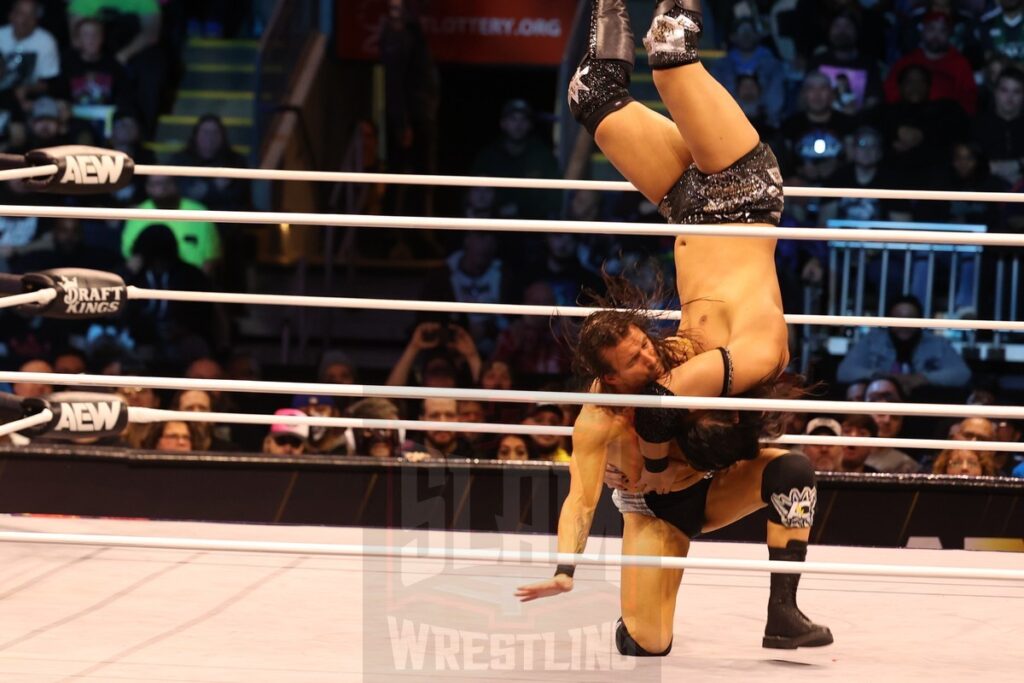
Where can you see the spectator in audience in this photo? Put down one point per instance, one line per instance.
(32, 389)
(452, 351)
(176, 329)
(170, 436)
(437, 443)
(867, 152)
(856, 389)
(854, 75)
(322, 440)
(126, 136)
(824, 458)
(90, 75)
(69, 361)
(136, 433)
(965, 463)
(287, 439)
(528, 345)
(207, 434)
(198, 241)
(1002, 30)
(132, 30)
(66, 246)
(548, 446)
(969, 170)
(886, 459)
(30, 54)
(208, 145)
(748, 57)
(973, 429)
(336, 367)
(918, 132)
(952, 75)
(1007, 431)
(520, 154)
(558, 266)
(818, 126)
(855, 458)
(474, 274)
(378, 443)
(999, 131)
(46, 125)
(515, 447)
(474, 412)
(913, 356)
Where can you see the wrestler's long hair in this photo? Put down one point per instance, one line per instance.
(628, 307)
(705, 436)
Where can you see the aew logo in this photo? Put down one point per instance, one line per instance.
(88, 300)
(92, 169)
(89, 417)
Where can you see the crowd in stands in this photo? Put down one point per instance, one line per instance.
(898, 93)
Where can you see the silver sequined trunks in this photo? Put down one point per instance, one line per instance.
(682, 509)
(749, 191)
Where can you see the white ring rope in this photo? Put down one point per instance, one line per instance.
(40, 418)
(28, 172)
(141, 294)
(513, 396)
(39, 297)
(519, 225)
(513, 556)
(545, 183)
(149, 415)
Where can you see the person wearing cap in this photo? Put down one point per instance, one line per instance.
(287, 439)
(376, 442)
(322, 440)
(952, 75)
(825, 458)
(45, 125)
(548, 446)
(518, 153)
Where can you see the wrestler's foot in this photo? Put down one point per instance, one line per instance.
(600, 85)
(789, 628)
(674, 34)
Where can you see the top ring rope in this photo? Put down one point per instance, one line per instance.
(546, 183)
(519, 225)
(137, 293)
(510, 396)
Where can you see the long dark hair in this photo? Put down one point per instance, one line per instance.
(710, 439)
(627, 306)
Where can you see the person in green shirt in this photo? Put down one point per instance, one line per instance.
(198, 241)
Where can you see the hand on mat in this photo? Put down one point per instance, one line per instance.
(543, 589)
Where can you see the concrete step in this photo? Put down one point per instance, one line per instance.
(175, 128)
(209, 76)
(199, 50)
(226, 103)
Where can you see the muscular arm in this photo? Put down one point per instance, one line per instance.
(590, 438)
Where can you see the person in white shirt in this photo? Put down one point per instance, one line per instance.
(29, 52)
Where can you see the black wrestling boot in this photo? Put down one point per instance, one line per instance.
(600, 85)
(788, 628)
(674, 34)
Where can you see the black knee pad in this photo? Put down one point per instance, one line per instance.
(787, 486)
(629, 647)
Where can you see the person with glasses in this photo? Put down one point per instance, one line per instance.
(287, 439)
(172, 436)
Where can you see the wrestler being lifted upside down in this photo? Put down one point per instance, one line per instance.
(683, 473)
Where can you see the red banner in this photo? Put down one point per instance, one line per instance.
(466, 31)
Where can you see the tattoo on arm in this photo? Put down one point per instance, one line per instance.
(582, 530)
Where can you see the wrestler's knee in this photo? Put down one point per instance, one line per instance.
(788, 487)
(644, 644)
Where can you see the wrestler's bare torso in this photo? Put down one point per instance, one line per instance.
(622, 448)
(728, 287)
